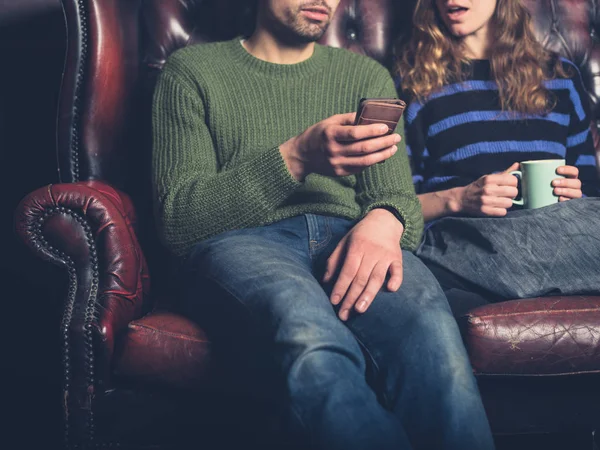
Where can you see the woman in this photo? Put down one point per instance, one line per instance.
(484, 95)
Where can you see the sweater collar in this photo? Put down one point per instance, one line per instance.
(307, 67)
(480, 69)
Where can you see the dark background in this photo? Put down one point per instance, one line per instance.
(32, 47)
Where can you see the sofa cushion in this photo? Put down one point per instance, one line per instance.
(164, 348)
(540, 336)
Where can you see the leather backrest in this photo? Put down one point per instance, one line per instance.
(116, 48)
(97, 92)
(570, 28)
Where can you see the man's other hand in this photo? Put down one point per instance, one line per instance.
(363, 259)
(337, 147)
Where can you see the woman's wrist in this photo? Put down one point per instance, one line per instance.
(436, 205)
(454, 200)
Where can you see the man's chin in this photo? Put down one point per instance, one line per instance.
(311, 34)
(310, 38)
(302, 33)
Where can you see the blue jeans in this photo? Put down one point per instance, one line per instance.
(528, 253)
(396, 377)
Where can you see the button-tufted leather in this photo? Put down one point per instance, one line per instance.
(89, 229)
(570, 28)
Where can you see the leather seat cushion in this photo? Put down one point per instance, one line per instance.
(541, 336)
(165, 348)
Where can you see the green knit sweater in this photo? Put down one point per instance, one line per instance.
(219, 116)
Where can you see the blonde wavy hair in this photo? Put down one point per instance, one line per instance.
(434, 58)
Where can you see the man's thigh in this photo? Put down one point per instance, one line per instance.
(257, 298)
(252, 267)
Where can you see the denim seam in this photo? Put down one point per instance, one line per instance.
(324, 242)
(375, 367)
(303, 424)
(208, 276)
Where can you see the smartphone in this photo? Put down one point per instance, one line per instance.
(380, 110)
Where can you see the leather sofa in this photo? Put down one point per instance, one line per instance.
(136, 374)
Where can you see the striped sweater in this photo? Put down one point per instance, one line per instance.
(459, 134)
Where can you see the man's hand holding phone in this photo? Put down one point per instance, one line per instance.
(341, 145)
(380, 110)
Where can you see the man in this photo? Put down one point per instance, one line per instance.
(277, 204)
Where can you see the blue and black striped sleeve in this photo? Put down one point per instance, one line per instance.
(580, 145)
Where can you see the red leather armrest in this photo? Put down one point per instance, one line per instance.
(88, 228)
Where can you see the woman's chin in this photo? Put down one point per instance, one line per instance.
(459, 30)
(459, 34)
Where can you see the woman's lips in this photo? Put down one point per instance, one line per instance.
(456, 14)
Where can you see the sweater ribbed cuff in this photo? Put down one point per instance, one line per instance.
(274, 182)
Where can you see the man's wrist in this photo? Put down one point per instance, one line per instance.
(387, 213)
(289, 153)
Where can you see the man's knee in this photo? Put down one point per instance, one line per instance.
(420, 290)
(318, 347)
(436, 340)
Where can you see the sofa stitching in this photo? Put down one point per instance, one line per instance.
(515, 314)
(169, 333)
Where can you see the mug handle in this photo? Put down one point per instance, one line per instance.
(518, 174)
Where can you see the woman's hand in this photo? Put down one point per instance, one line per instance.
(491, 195)
(568, 187)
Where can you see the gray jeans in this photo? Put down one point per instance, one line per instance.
(553, 250)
